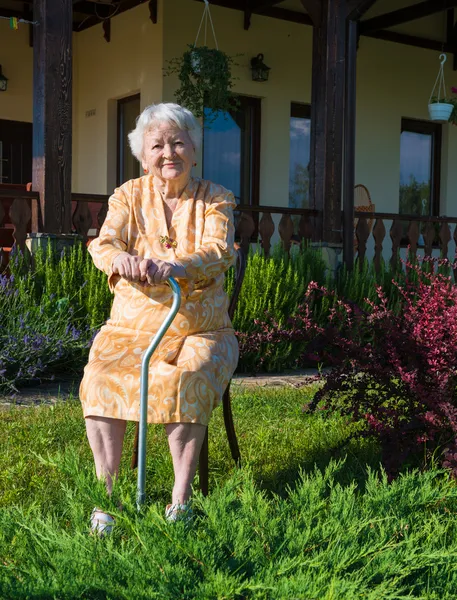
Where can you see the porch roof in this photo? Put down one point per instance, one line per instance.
(387, 19)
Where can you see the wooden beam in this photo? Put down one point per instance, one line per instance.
(405, 15)
(104, 11)
(52, 113)
(284, 14)
(451, 34)
(153, 11)
(259, 5)
(94, 20)
(409, 40)
(357, 8)
(28, 12)
(8, 12)
(314, 9)
(106, 24)
(327, 118)
(349, 144)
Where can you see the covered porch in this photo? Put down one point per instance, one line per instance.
(326, 39)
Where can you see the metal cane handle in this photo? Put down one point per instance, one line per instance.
(144, 384)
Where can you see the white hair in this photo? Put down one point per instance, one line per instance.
(157, 114)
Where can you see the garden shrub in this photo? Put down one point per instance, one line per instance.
(397, 370)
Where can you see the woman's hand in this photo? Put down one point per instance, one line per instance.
(127, 266)
(146, 270)
(155, 271)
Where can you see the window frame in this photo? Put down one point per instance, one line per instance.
(436, 132)
(252, 145)
(120, 132)
(299, 110)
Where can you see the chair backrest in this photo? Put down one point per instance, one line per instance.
(363, 203)
(362, 198)
(240, 269)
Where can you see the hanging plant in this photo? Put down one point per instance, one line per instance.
(440, 108)
(205, 75)
(205, 79)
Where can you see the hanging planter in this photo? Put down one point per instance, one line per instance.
(205, 75)
(440, 111)
(439, 108)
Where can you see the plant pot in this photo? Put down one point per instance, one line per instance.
(440, 111)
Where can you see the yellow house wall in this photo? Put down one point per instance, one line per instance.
(16, 58)
(287, 48)
(131, 63)
(394, 81)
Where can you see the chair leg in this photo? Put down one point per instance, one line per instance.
(134, 461)
(230, 427)
(203, 465)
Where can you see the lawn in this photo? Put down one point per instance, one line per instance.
(309, 516)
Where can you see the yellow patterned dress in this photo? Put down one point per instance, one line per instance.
(197, 357)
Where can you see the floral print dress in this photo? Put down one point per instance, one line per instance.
(196, 359)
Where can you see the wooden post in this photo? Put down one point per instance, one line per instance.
(332, 155)
(52, 106)
(349, 145)
(327, 117)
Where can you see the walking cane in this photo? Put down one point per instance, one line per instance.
(144, 390)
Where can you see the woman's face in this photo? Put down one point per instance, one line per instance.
(168, 153)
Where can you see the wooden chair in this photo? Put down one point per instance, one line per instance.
(362, 203)
(226, 404)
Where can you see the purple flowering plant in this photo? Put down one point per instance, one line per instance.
(48, 316)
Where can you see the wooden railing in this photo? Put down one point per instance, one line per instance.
(429, 236)
(258, 224)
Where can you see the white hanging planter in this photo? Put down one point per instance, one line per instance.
(440, 112)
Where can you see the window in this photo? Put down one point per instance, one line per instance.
(300, 144)
(231, 150)
(128, 110)
(420, 158)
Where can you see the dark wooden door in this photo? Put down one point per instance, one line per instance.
(15, 152)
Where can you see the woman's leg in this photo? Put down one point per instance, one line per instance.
(106, 437)
(185, 441)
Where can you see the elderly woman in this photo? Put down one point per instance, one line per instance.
(166, 223)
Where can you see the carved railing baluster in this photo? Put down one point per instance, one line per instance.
(20, 215)
(445, 238)
(305, 228)
(286, 231)
(413, 238)
(82, 219)
(379, 233)
(245, 228)
(429, 236)
(362, 233)
(266, 231)
(101, 216)
(396, 232)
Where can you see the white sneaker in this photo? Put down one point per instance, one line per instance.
(101, 522)
(178, 512)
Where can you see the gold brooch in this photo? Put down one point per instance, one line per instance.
(167, 242)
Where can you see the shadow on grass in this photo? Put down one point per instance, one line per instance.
(359, 457)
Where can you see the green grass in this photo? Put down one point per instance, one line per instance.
(310, 515)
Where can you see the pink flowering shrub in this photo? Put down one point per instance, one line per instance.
(398, 372)
(394, 370)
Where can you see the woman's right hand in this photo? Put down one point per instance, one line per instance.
(128, 267)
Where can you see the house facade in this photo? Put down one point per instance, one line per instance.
(406, 163)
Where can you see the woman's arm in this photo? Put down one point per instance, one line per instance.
(113, 236)
(217, 252)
